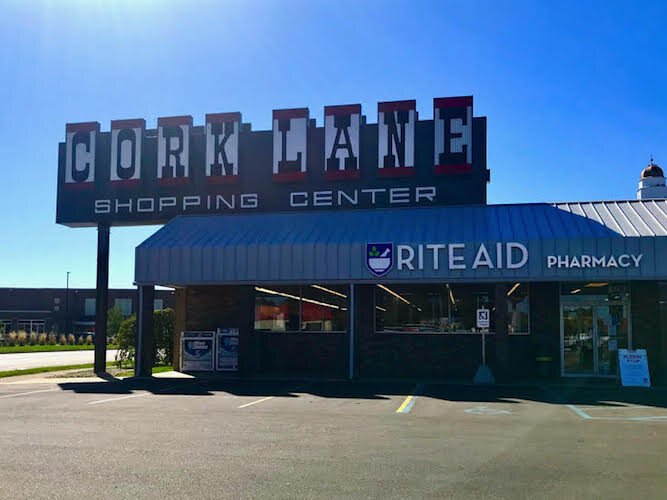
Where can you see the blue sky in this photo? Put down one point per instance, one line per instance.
(575, 92)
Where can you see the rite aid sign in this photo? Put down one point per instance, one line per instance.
(485, 259)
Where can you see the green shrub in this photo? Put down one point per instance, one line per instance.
(41, 339)
(32, 338)
(89, 339)
(125, 341)
(163, 338)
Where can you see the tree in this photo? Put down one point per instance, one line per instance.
(114, 320)
(163, 338)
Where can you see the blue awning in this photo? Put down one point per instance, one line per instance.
(331, 246)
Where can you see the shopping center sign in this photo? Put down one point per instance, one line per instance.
(135, 175)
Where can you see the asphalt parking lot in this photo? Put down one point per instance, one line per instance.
(290, 439)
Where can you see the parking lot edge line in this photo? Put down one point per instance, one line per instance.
(28, 393)
(256, 402)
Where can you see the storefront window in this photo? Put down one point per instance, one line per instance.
(27, 325)
(518, 309)
(310, 308)
(440, 308)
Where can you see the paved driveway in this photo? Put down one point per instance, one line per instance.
(179, 438)
(26, 360)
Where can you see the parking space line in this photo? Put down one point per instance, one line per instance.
(579, 412)
(256, 402)
(108, 400)
(136, 395)
(409, 401)
(30, 392)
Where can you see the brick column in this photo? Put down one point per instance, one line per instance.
(249, 341)
(180, 323)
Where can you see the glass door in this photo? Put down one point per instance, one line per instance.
(592, 336)
(611, 334)
(578, 341)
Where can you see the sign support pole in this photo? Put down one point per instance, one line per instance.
(483, 375)
(484, 346)
(102, 298)
(143, 353)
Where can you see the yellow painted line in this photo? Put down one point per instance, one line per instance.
(405, 404)
(256, 402)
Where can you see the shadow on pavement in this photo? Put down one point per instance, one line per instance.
(603, 396)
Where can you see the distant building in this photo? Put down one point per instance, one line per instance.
(59, 310)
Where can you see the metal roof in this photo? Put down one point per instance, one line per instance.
(328, 246)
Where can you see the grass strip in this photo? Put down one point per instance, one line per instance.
(47, 369)
(47, 348)
(43, 369)
(156, 369)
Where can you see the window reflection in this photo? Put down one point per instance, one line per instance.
(312, 308)
(435, 308)
(518, 309)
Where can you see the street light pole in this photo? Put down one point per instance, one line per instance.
(67, 304)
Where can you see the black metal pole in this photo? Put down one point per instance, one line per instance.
(102, 298)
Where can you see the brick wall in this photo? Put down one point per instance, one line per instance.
(645, 314)
(544, 328)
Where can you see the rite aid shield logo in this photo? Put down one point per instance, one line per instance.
(379, 258)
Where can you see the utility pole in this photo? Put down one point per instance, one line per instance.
(67, 305)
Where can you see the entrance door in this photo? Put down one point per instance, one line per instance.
(592, 335)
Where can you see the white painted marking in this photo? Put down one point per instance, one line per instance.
(27, 393)
(579, 412)
(583, 414)
(129, 396)
(256, 402)
(485, 410)
(99, 401)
